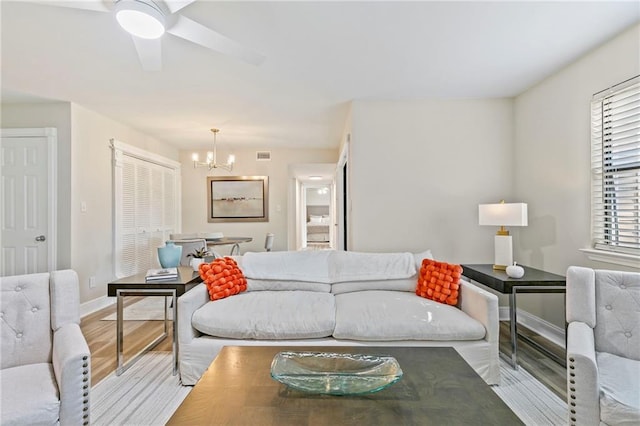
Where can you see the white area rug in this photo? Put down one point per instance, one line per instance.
(532, 401)
(151, 308)
(148, 394)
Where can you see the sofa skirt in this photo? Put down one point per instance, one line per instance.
(195, 357)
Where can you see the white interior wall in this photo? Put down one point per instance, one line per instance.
(85, 239)
(318, 199)
(92, 183)
(194, 194)
(552, 163)
(419, 169)
(58, 115)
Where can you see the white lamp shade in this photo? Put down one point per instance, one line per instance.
(503, 214)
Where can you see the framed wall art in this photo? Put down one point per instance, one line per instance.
(238, 198)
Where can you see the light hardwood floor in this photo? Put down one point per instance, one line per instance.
(101, 337)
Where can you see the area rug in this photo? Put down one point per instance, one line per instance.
(151, 308)
(148, 394)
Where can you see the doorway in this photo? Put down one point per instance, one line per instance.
(318, 226)
(312, 206)
(28, 212)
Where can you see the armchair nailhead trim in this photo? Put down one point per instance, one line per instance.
(85, 393)
(572, 390)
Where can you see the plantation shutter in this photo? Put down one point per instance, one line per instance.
(615, 158)
(145, 207)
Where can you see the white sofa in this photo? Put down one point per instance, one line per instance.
(335, 298)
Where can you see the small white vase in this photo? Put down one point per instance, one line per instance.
(515, 271)
(195, 263)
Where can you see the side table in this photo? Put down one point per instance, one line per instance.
(136, 285)
(533, 281)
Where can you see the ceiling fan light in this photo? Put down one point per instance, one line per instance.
(140, 18)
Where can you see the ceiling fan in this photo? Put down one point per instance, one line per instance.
(148, 20)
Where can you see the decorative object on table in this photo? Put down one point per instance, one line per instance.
(161, 274)
(211, 235)
(197, 257)
(169, 255)
(438, 281)
(515, 271)
(238, 199)
(503, 214)
(211, 162)
(335, 373)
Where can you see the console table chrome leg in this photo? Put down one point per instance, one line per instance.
(119, 332)
(513, 330)
(175, 334)
(560, 360)
(122, 366)
(235, 249)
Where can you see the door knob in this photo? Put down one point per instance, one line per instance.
(41, 238)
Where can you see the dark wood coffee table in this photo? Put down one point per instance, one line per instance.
(438, 388)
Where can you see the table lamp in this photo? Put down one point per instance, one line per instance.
(503, 214)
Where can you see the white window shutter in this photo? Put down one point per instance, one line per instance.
(145, 207)
(615, 167)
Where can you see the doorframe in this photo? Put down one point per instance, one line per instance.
(51, 135)
(342, 198)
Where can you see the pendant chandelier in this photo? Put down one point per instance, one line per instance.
(211, 158)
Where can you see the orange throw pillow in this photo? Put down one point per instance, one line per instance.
(223, 278)
(439, 281)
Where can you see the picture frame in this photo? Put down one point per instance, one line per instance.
(237, 199)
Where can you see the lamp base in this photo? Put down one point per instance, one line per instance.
(503, 247)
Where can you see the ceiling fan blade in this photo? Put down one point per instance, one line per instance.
(94, 5)
(197, 33)
(176, 5)
(149, 52)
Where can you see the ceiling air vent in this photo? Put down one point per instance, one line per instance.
(263, 155)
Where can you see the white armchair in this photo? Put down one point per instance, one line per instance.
(603, 347)
(45, 370)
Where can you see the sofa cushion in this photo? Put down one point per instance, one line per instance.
(396, 315)
(283, 285)
(620, 397)
(312, 265)
(29, 395)
(406, 284)
(26, 320)
(617, 329)
(355, 266)
(268, 315)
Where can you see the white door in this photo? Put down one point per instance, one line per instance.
(27, 158)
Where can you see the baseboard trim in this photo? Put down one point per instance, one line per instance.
(544, 328)
(94, 305)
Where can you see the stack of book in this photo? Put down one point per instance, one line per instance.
(162, 274)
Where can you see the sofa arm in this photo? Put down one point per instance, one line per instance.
(482, 306)
(582, 379)
(72, 369)
(188, 303)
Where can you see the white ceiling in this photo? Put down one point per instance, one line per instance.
(319, 57)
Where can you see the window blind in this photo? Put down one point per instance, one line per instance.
(615, 159)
